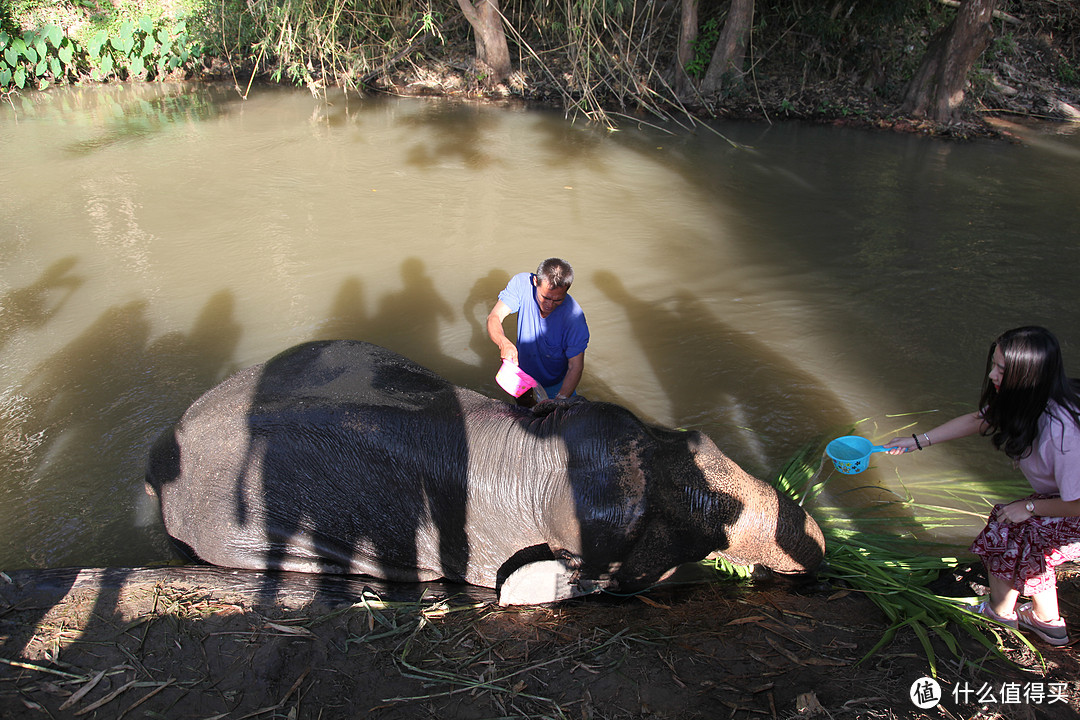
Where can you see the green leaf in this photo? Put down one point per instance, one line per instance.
(66, 53)
(123, 44)
(31, 55)
(4, 39)
(106, 65)
(137, 66)
(125, 39)
(96, 43)
(20, 77)
(11, 56)
(54, 34)
(42, 67)
(149, 47)
(5, 75)
(55, 67)
(146, 24)
(43, 84)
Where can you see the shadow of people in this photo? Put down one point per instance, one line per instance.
(96, 404)
(347, 317)
(332, 457)
(478, 304)
(30, 307)
(411, 322)
(407, 321)
(740, 378)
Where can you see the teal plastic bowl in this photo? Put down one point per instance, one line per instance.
(851, 454)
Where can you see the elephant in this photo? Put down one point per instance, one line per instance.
(342, 456)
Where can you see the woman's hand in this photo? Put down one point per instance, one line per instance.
(899, 445)
(1015, 512)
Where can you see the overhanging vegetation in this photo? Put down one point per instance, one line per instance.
(600, 58)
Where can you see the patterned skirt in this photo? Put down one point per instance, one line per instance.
(1025, 554)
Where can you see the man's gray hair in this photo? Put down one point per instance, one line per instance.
(555, 272)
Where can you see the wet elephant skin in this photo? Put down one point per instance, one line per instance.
(344, 457)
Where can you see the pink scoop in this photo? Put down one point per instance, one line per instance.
(513, 379)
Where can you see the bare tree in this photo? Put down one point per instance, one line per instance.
(688, 32)
(730, 52)
(492, 52)
(937, 89)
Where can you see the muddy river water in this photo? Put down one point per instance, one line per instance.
(768, 284)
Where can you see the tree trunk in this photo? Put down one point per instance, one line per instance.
(492, 52)
(730, 52)
(688, 31)
(937, 89)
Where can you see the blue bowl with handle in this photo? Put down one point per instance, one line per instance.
(851, 453)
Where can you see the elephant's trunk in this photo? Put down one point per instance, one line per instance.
(775, 532)
(753, 523)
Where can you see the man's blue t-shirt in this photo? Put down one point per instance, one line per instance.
(545, 344)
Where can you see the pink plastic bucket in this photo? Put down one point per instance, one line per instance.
(514, 380)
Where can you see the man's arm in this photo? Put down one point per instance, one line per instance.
(573, 376)
(507, 349)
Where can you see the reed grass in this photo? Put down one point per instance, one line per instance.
(880, 552)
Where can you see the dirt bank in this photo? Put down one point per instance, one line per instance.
(202, 643)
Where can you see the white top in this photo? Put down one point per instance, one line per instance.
(1053, 467)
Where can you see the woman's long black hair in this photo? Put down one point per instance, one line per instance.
(1034, 375)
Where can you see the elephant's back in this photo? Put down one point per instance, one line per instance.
(336, 455)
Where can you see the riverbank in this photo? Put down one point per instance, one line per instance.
(205, 642)
(840, 68)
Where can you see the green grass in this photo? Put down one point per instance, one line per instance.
(879, 551)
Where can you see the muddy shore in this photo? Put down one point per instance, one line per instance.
(196, 642)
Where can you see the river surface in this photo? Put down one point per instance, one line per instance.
(767, 284)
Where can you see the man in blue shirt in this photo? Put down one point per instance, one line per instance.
(551, 330)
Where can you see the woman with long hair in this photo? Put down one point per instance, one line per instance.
(1030, 410)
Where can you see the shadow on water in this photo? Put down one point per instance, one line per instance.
(87, 391)
(32, 306)
(676, 331)
(97, 404)
(408, 322)
(459, 132)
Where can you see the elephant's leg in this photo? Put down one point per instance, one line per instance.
(544, 581)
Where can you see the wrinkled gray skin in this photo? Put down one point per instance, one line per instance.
(343, 457)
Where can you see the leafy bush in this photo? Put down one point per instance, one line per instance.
(144, 48)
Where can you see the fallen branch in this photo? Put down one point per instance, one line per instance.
(999, 14)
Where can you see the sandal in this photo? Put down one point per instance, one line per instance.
(1053, 632)
(986, 611)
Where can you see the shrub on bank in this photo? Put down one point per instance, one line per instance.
(145, 49)
(599, 58)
